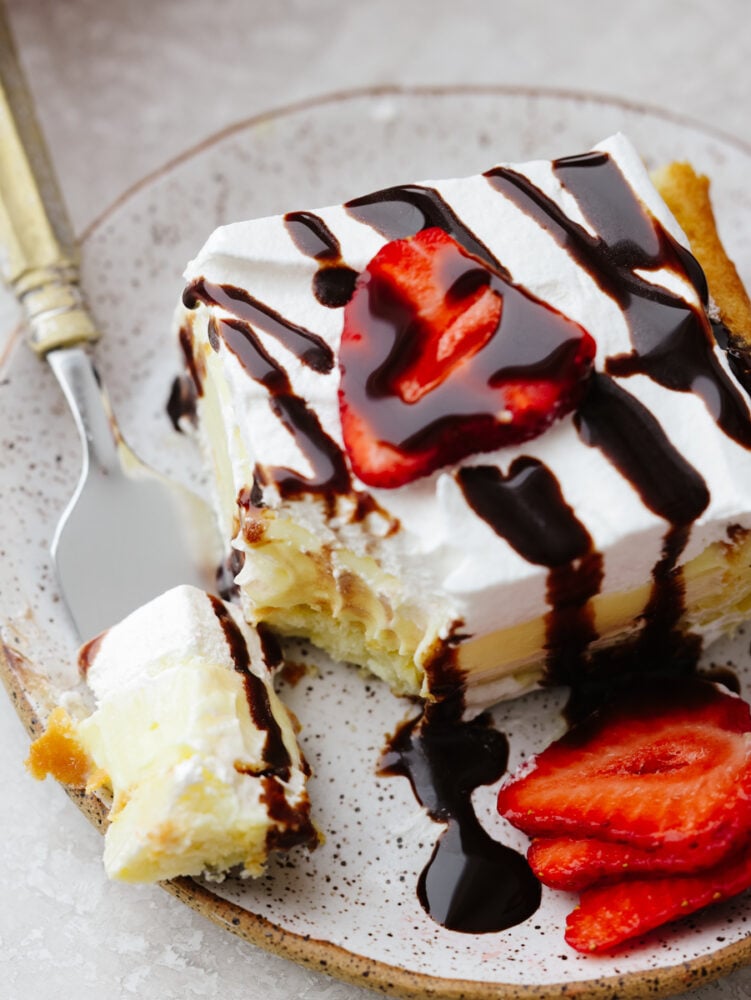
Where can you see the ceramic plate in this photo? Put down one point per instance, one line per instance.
(350, 908)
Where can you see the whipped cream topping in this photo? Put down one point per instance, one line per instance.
(171, 632)
(443, 548)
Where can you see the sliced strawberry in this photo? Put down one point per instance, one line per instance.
(442, 356)
(572, 865)
(454, 310)
(665, 768)
(609, 915)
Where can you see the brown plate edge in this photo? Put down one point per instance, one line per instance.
(333, 960)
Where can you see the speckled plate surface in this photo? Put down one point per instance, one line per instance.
(349, 909)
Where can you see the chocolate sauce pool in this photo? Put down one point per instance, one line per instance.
(472, 883)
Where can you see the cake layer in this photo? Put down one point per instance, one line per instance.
(189, 734)
(625, 518)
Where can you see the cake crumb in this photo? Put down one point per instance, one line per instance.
(57, 752)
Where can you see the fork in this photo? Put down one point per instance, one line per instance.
(128, 533)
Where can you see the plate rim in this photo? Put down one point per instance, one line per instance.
(401, 90)
(304, 949)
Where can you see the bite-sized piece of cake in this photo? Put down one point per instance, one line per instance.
(199, 752)
(471, 432)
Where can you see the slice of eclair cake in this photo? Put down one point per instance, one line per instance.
(472, 433)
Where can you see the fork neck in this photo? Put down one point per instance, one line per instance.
(90, 406)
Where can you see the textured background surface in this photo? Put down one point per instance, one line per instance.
(120, 90)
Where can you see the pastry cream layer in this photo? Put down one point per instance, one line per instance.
(421, 575)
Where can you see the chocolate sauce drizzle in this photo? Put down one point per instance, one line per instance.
(399, 212)
(242, 340)
(672, 339)
(630, 437)
(737, 353)
(472, 883)
(329, 474)
(89, 652)
(194, 365)
(612, 420)
(186, 389)
(673, 347)
(226, 572)
(181, 403)
(272, 650)
(527, 508)
(672, 344)
(307, 347)
(334, 281)
(277, 760)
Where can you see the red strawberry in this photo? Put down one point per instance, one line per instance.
(611, 914)
(442, 356)
(453, 306)
(572, 865)
(666, 769)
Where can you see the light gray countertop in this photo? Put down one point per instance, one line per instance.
(122, 88)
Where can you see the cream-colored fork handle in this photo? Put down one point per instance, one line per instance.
(38, 255)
